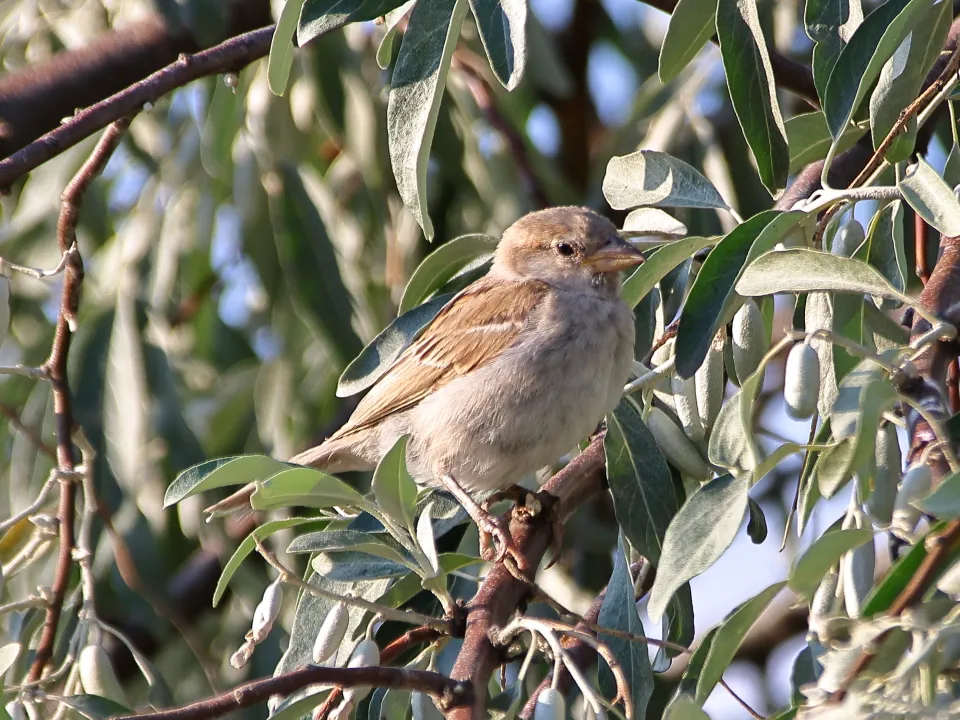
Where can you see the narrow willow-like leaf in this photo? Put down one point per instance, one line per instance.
(443, 264)
(931, 197)
(393, 487)
(619, 612)
(809, 569)
(416, 89)
(503, 30)
(809, 140)
(884, 248)
(698, 535)
(222, 472)
(692, 22)
(862, 58)
(385, 348)
(746, 62)
(642, 280)
(281, 47)
(829, 23)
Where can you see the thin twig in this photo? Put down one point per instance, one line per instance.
(229, 56)
(405, 616)
(410, 639)
(743, 703)
(55, 368)
(258, 691)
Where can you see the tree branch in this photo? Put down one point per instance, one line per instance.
(55, 369)
(258, 691)
(500, 594)
(229, 56)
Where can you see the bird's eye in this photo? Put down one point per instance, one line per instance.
(565, 249)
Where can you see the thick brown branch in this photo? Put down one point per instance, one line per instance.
(501, 593)
(259, 691)
(229, 56)
(35, 98)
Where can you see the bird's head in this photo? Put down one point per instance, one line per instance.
(566, 246)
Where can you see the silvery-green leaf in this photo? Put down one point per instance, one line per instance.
(803, 270)
(809, 138)
(829, 23)
(902, 75)
(390, 22)
(652, 221)
(416, 89)
(393, 487)
(663, 260)
(753, 90)
(443, 264)
(931, 197)
(220, 473)
(503, 30)
(649, 177)
(951, 169)
(698, 535)
(425, 539)
(884, 247)
(944, 500)
(692, 22)
(862, 58)
(808, 570)
(377, 357)
(281, 47)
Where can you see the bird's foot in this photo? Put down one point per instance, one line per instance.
(525, 503)
(497, 545)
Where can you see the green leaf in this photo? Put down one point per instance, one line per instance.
(350, 566)
(326, 541)
(809, 139)
(640, 482)
(728, 638)
(93, 707)
(698, 535)
(405, 588)
(892, 584)
(648, 177)
(619, 612)
(642, 280)
(390, 23)
(809, 569)
(221, 472)
(884, 248)
(687, 687)
(833, 468)
(757, 524)
(753, 90)
(828, 23)
(644, 500)
(684, 708)
(394, 488)
(712, 301)
(653, 221)
(248, 545)
(281, 47)
(692, 22)
(377, 357)
(415, 92)
(503, 30)
(444, 263)
(299, 706)
(802, 270)
(943, 502)
(320, 16)
(931, 197)
(310, 264)
(732, 445)
(306, 487)
(951, 169)
(903, 74)
(861, 60)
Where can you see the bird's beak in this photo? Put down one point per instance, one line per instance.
(617, 255)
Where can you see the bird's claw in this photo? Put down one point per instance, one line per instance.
(497, 543)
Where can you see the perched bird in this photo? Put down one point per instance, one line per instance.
(511, 374)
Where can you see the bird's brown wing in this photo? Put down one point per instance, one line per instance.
(473, 329)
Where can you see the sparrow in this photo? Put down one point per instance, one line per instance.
(510, 375)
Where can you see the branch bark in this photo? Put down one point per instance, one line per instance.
(229, 56)
(500, 594)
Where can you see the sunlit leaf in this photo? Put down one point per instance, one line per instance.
(809, 569)
(642, 280)
(943, 502)
(698, 535)
(829, 24)
(416, 89)
(931, 198)
(306, 487)
(336, 540)
(220, 473)
(503, 30)
(753, 90)
(466, 251)
(393, 487)
(809, 138)
(691, 24)
(649, 177)
(281, 47)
